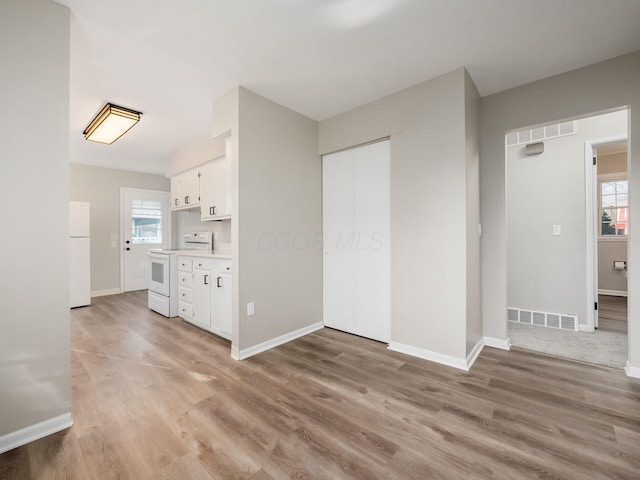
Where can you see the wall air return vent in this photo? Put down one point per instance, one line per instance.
(539, 134)
(560, 321)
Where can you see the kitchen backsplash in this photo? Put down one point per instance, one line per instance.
(189, 221)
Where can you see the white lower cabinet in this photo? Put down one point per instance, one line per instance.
(205, 293)
(202, 295)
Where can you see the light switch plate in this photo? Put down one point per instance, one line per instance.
(251, 309)
(557, 230)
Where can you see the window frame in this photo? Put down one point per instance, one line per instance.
(610, 177)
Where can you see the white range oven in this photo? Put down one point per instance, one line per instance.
(163, 272)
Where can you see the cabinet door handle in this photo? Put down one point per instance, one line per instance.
(211, 210)
(175, 201)
(206, 277)
(186, 199)
(218, 281)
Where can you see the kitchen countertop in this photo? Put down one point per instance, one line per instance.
(200, 253)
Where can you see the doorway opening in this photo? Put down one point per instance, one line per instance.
(145, 223)
(611, 195)
(559, 208)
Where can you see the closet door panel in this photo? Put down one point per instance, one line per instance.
(372, 250)
(338, 221)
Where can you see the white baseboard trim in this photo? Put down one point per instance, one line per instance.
(473, 354)
(629, 370)
(274, 342)
(455, 362)
(104, 293)
(34, 432)
(502, 344)
(613, 293)
(585, 328)
(235, 353)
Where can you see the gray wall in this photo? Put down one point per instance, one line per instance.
(101, 188)
(34, 147)
(429, 157)
(610, 250)
(596, 88)
(474, 268)
(610, 280)
(280, 194)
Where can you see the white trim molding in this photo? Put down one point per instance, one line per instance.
(449, 361)
(474, 353)
(613, 293)
(35, 432)
(274, 342)
(104, 293)
(586, 328)
(632, 371)
(502, 344)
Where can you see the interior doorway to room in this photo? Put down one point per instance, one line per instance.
(145, 223)
(611, 196)
(559, 208)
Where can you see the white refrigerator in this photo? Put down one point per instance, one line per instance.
(79, 254)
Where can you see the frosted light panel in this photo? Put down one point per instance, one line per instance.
(111, 129)
(111, 123)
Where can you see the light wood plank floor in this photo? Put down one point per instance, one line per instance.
(612, 313)
(155, 398)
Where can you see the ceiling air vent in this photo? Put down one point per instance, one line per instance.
(538, 134)
(551, 131)
(566, 128)
(524, 136)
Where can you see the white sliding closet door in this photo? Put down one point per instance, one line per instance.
(356, 218)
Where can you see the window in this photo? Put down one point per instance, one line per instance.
(146, 221)
(614, 207)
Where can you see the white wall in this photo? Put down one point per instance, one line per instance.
(196, 152)
(432, 162)
(279, 197)
(101, 188)
(545, 272)
(474, 265)
(582, 92)
(34, 147)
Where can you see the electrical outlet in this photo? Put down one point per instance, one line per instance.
(556, 231)
(251, 309)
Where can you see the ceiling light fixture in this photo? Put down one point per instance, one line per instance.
(111, 123)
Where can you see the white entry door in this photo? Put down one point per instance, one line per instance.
(356, 227)
(146, 223)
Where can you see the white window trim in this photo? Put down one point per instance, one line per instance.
(605, 177)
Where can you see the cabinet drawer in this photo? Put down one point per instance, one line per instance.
(185, 279)
(185, 310)
(201, 264)
(185, 264)
(185, 294)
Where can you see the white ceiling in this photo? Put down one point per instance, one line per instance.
(171, 59)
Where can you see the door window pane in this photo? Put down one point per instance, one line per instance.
(146, 222)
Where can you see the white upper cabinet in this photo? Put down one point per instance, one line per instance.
(215, 191)
(185, 189)
(207, 186)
